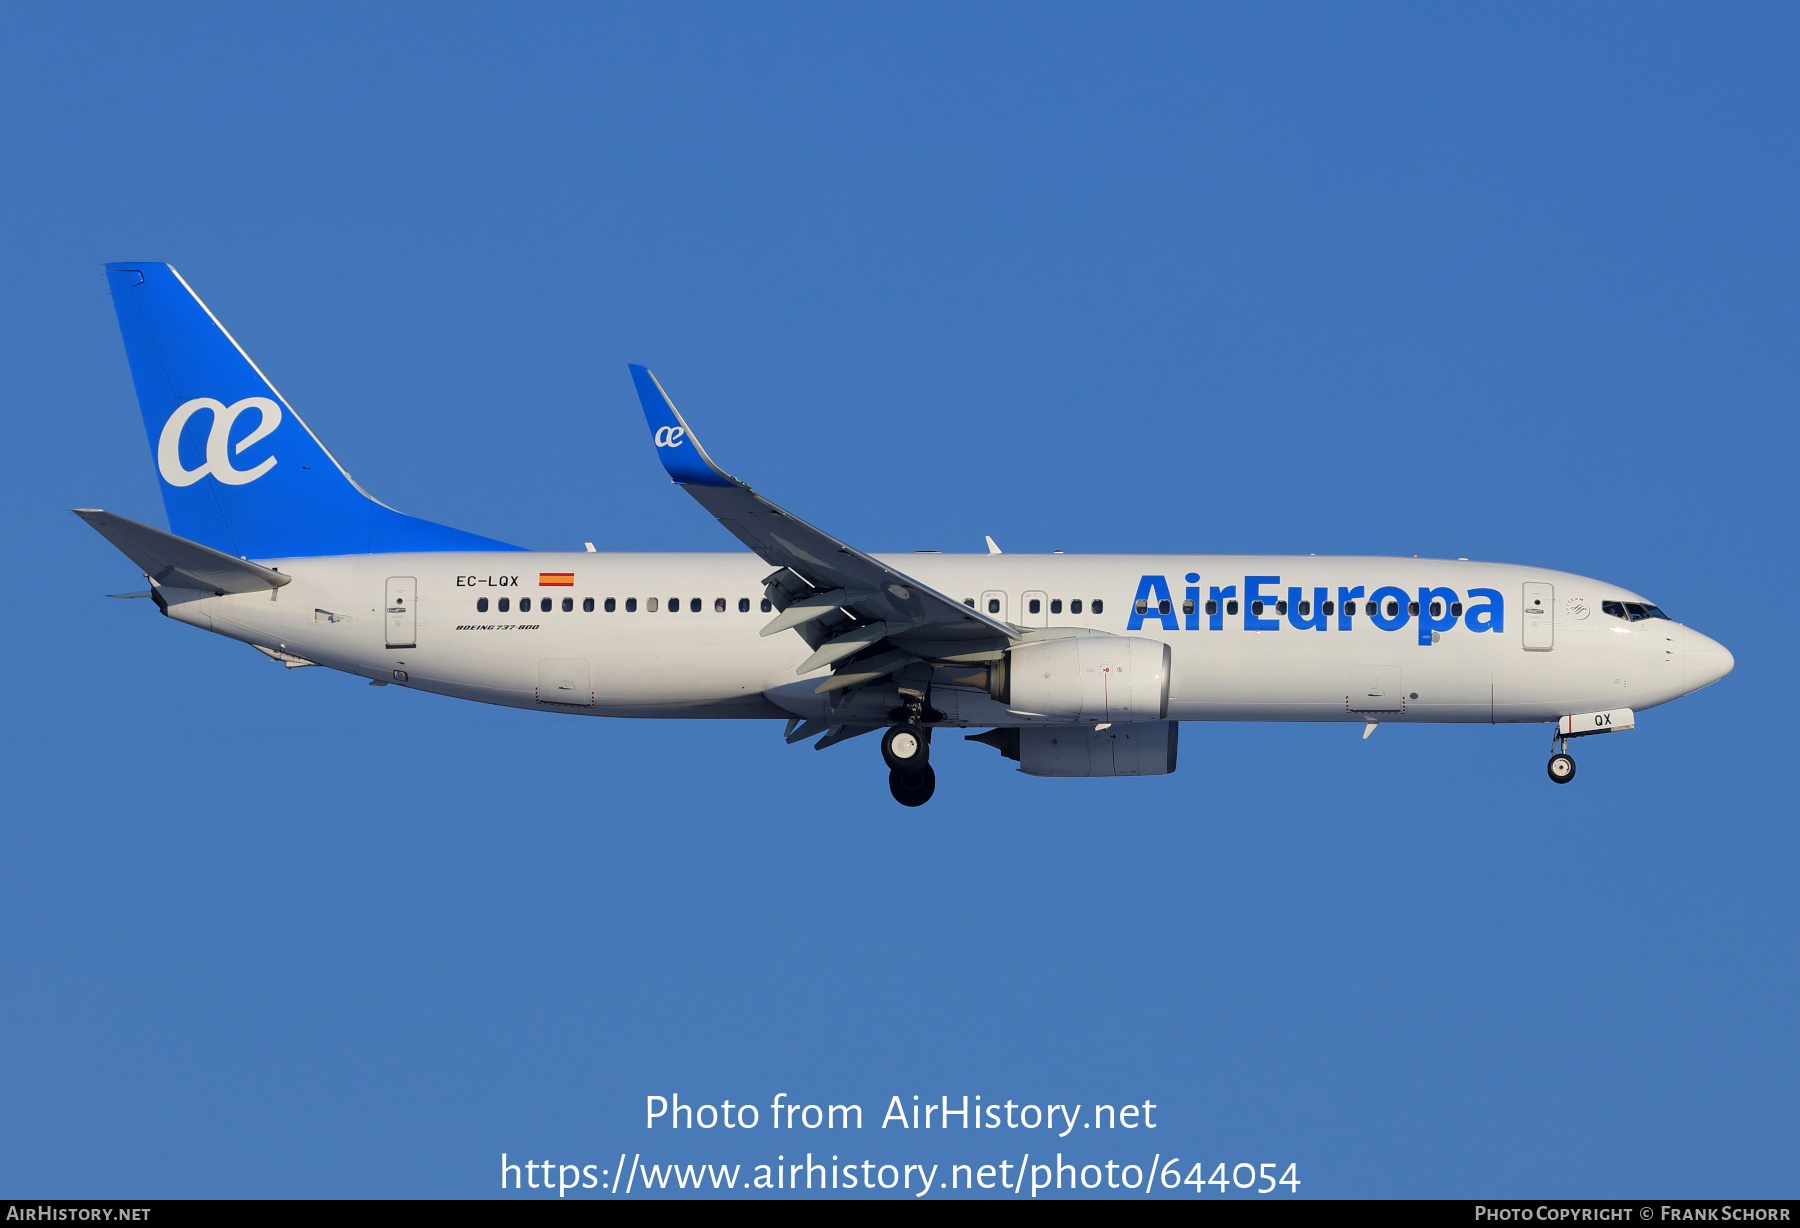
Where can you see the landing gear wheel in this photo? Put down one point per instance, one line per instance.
(1562, 768)
(912, 788)
(906, 748)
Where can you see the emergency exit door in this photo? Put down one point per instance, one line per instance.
(402, 612)
(1537, 617)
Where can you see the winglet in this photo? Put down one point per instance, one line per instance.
(676, 445)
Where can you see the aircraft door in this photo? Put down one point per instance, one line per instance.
(993, 604)
(1034, 609)
(1537, 617)
(402, 612)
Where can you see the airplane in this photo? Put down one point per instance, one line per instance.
(1070, 665)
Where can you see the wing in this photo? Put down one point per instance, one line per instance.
(857, 614)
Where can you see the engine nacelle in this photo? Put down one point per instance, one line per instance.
(1095, 678)
(1144, 749)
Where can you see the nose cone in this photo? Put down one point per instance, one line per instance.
(1703, 661)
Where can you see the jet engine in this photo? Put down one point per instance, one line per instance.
(1143, 749)
(1097, 678)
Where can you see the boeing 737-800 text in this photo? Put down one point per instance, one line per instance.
(1075, 665)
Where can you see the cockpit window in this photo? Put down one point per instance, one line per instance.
(1632, 611)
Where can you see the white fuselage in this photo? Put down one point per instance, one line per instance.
(676, 662)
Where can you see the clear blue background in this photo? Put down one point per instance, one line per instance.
(1506, 282)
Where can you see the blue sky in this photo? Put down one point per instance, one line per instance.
(1504, 282)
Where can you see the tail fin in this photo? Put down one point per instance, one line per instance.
(240, 471)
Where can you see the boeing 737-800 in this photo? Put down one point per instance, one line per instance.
(1074, 665)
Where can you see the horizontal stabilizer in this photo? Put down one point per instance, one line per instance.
(175, 562)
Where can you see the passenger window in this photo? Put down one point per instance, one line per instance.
(631, 605)
(1099, 606)
(1256, 607)
(1037, 607)
(1305, 609)
(612, 605)
(569, 604)
(1456, 609)
(1056, 605)
(1281, 606)
(650, 606)
(1231, 607)
(993, 605)
(1393, 608)
(481, 605)
(1187, 607)
(1437, 609)
(1616, 609)
(743, 605)
(1162, 607)
(1212, 607)
(505, 605)
(1349, 608)
(1142, 607)
(1412, 607)
(1075, 606)
(587, 605)
(696, 605)
(674, 605)
(767, 605)
(1324, 609)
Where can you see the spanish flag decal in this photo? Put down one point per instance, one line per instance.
(556, 579)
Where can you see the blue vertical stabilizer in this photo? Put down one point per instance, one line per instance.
(240, 471)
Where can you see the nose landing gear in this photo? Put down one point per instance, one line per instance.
(1562, 764)
(907, 750)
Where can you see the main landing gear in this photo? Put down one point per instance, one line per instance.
(1562, 764)
(907, 750)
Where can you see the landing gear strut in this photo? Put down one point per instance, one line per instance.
(1562, 764)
